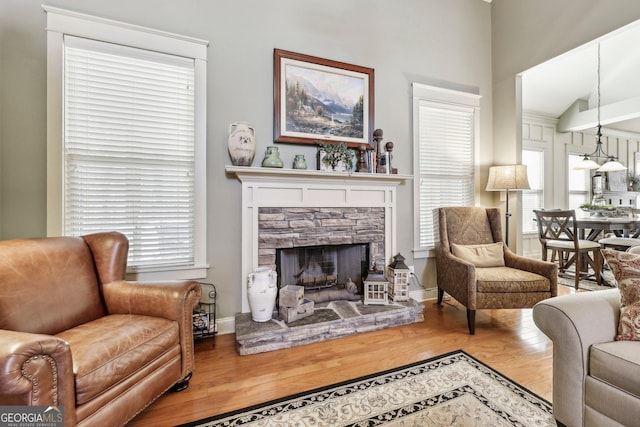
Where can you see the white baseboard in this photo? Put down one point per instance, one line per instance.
(424, 294)
(226, 325)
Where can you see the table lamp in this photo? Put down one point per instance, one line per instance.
(505, 178)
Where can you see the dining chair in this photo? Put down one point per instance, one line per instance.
(558, 233)
(622, 243)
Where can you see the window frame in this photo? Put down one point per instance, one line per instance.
(62, 22)
(540, 191)
(447, 98)
(588, 177)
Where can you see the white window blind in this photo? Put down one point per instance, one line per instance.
(534, 197)
(579, 182)
(445, 144)
(129, 149)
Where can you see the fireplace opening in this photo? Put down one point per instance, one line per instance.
(327, 273)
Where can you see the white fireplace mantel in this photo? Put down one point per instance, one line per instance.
(272, 187)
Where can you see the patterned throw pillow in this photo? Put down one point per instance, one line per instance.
(626, 269)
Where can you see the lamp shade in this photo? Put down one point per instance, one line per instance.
(511, 177)
(586, 164)
(612, 166)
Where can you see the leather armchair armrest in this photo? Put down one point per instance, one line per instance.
(169, 300)
(457, 277)
(36, 369)
(173, 300)
(543, 268)
(574, 323)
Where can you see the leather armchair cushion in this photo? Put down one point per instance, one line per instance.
(617, 363)
(108, 350)
(507, 279)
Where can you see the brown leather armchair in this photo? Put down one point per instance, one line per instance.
(518, 282)
(74, 333)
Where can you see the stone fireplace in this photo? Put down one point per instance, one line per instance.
(284, 209)
(321, 249)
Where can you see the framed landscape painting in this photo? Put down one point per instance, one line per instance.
(318, 99)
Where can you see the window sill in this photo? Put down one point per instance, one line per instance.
(424, 253)
(170, 273)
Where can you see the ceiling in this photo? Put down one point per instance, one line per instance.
(551, 88)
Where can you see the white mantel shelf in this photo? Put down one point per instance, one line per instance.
(300, 188)
(276, 174)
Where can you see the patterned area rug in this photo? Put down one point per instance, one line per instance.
(589, 285)
(454, 389)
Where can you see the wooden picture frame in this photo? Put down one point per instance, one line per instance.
(320, 100)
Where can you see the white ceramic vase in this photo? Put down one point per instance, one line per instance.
(241, 143)
(262, 288)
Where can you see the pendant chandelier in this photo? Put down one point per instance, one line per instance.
(611, 163)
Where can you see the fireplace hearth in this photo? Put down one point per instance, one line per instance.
(330, 320)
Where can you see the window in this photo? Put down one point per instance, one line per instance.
(130, 152)
(445, 132)
(534, 197)
(579, 182)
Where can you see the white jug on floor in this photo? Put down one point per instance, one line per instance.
(262, 288)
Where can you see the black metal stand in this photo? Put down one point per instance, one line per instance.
(507, 215)
(204, 316)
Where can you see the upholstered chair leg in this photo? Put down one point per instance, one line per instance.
(182, 384)
(440, 296)
(471, 321)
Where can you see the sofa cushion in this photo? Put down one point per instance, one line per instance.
(112, 348)
(48, 285)
(626, 269)
(507, 279)
(617, 363)
(486, 255)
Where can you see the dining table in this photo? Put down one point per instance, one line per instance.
(595, 227)
(592, 227)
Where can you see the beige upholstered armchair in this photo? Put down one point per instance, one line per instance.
(479, 271)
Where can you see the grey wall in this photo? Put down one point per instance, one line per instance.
(428, 41)
(526, 33)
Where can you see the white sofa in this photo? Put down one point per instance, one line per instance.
(596, 380)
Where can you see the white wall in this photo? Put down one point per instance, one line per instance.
(428, 41)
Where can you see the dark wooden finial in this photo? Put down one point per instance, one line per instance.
(389, 146)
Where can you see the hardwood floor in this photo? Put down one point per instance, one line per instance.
(506, 340)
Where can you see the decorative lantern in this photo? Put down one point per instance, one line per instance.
(375, 289)
(398, 275)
